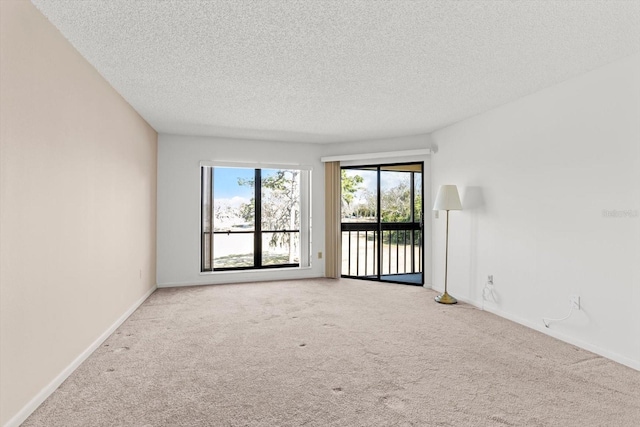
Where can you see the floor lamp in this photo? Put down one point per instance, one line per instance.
(447, 199)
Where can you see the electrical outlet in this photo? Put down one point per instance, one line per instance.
(319, 255)
(437, 214)
(490, 279)
(574, 300)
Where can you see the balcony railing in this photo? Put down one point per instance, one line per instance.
(378, 250)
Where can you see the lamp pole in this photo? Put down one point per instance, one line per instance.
(447, 200)
(445, 298)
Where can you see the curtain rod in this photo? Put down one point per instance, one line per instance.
(367, 156)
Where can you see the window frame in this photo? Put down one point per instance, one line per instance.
(304, 230)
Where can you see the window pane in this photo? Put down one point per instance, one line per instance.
(417, 216)
(233, 250)
(359, 254)
(229, 237)
(359, 195)
(396, 196)
(206, 214)
(233, 199)
(280, 248)
(399, 254)
(206, 251)
(280, 199)
(206, 198)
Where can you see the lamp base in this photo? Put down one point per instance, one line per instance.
(445, 298)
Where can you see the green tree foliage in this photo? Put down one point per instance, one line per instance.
(349, 187)
(396, 207)
(396, 204)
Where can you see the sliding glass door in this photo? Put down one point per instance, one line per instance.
(382, 227)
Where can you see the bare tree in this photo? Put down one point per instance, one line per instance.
(280, 208)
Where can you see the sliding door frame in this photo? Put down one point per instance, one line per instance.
(380, 227)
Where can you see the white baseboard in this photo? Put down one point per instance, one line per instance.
(33, 404)
(634, 364)
(623, 360)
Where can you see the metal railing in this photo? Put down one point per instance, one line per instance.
(392, 249)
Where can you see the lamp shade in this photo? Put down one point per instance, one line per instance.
(447, 199)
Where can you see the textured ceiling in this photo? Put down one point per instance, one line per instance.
(328, 71)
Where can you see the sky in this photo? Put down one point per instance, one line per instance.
(225, 183)
(227, 191)
(388, 180)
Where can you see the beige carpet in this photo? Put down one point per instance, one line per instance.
(335, 353)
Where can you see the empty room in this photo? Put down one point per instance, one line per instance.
(319, 213)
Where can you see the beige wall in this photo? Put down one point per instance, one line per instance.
(77, 211)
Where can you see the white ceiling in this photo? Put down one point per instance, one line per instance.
(329, 71)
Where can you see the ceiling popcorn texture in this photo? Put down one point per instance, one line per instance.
(330, 71)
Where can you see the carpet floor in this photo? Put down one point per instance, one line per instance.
(334, 353)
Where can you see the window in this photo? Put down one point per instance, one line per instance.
(253, 218)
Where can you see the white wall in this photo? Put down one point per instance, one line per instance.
(535, 176)
(77, 209)
(179, 204)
